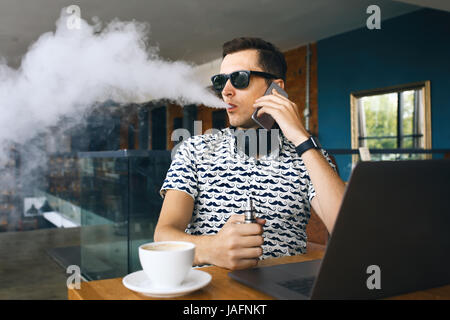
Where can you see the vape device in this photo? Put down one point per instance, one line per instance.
(250, 216)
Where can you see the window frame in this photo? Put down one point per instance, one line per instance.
(424, 86)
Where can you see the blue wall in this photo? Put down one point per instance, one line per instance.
(413, 47)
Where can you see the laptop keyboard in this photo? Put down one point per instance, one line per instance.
(302, 285)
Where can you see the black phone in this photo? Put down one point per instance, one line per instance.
(265, 120)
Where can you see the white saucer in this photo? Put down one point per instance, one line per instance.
(139, 282)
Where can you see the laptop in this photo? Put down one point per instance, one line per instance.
(391, 237)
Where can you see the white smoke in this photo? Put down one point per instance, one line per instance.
(67, 71)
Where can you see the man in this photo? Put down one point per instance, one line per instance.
(205, 196)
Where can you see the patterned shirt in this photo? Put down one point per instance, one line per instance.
(220, 178)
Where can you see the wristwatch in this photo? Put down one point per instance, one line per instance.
(311, 143)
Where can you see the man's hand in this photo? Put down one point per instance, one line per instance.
(286, 114)
(237, 245)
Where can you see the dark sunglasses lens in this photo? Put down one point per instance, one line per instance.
(240, 79)
(218, 82)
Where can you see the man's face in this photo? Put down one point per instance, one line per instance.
(240, 116)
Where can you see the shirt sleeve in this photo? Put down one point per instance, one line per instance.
(182, 173)
(311, 190)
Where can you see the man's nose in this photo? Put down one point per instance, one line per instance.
(228, 90)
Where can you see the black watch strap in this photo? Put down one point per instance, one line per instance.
(311, 143)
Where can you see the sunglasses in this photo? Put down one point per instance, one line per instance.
(239, 79)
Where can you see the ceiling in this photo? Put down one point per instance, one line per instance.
(194, 30)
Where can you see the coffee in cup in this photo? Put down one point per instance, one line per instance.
(167, 263)
(164, 247)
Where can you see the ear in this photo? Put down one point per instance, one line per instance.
(280, 82)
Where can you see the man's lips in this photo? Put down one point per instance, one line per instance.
(232, 107)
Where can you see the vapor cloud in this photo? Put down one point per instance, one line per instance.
(68, 70)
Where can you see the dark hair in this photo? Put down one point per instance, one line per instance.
(271, 59)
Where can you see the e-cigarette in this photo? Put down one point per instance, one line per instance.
(250, 216)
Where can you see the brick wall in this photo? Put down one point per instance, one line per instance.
(128, 117)
(296, 81)
(173, 111)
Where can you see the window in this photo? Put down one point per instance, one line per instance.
(392, 118)
(189, 117)
(159, 140)
(177, 123)
(219, 119)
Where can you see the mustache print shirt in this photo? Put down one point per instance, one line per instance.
(220, 176)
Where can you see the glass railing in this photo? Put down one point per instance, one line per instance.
(120, 205)
(346, 159)
(60, 212)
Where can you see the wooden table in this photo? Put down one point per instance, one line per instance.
(221, 287)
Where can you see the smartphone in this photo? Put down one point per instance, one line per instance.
(265, 120)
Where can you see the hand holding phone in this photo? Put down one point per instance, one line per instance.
(265, 120)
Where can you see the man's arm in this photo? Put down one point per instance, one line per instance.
(176, 213)
(235, 246)
(328, 186)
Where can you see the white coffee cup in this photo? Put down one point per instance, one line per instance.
(167, 263)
